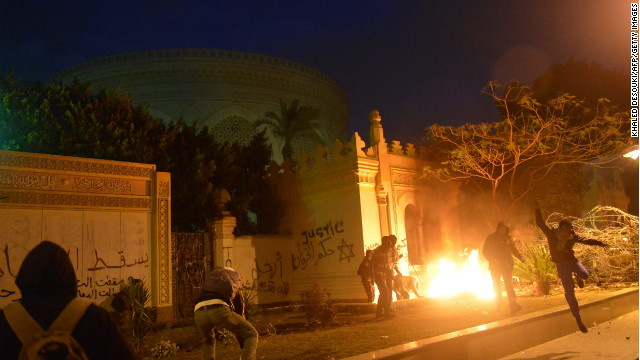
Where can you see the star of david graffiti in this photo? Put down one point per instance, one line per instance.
(346, 251)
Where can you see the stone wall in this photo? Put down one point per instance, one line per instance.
(338, 203)
(112, 217)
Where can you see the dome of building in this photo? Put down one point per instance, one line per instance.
(224, 90)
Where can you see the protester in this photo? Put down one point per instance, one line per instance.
(48, 284)
(382, 263)
(220, 306)
(561, 241)
(395, 257)
(365, 270)
(498, 249)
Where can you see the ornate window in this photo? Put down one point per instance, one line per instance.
(233, 128)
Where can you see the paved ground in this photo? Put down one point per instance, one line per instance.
(614, 339)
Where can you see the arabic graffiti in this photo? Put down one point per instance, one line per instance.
(227, 262)
(94, 288)
(6, 293)
(100, 264)
(268, 277)
(318, 243)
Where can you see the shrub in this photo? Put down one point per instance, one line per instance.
(251, 308)
(537, 268)
(140, 317)
(318, 306)
(164, 349)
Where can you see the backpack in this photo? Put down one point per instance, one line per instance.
(54, 343)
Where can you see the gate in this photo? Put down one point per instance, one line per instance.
(188, 271)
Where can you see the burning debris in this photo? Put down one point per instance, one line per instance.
(452, 278)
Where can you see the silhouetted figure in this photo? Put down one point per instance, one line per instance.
(365, 270)
(498, 249)
(561, 241)
(391, 275)
(382, 266)
(220, 305)
(48, 284)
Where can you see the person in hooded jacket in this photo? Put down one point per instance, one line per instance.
(48, 283)
(499, 250)
(220, 305)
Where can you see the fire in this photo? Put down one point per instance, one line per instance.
(451, 279)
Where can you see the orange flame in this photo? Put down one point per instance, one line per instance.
(451, 279)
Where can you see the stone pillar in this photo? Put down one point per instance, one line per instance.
(161, 249)
(375, 129)
(383, 211)
(223, 241)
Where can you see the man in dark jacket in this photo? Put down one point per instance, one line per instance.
(561, 241)
(219, 306)
(382, 262)
(498, 249)
(365, 270)
(48, 283)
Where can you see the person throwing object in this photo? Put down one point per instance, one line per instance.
(561, 241)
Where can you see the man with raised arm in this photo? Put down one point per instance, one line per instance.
(561, 241)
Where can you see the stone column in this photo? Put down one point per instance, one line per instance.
(383, 212)
(161, 249)
(223, 241)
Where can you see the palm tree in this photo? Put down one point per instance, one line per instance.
(292, 121)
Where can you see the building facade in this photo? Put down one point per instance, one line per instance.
(224, 90)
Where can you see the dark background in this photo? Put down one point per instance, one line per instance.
(417, 62)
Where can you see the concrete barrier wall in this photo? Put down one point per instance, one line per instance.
(504, 337)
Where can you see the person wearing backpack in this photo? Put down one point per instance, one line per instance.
(50, 321)
(220, 305)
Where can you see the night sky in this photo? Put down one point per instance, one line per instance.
(417, 62)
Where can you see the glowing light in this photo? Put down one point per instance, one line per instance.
(470, 277)
(633, 154)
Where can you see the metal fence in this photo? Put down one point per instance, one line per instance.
(188, 271)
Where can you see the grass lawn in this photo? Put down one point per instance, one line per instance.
(356, 333)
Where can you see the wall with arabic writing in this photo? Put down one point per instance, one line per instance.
(113, 218)
(104, 247)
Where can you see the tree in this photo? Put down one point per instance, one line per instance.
(291, 122)
(504, 159)
(105, 124)
(251, 189)
(46, 118)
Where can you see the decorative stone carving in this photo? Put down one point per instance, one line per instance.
(233, 128)
(163, 189)
(102, 185)
(407, 177)
(33, 161)
(164, 247)
(55, 199)
(26, 180)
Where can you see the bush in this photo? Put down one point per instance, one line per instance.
(140, 317)
(251, 308)
(537, 268)
(164, 349)
(318, 306)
